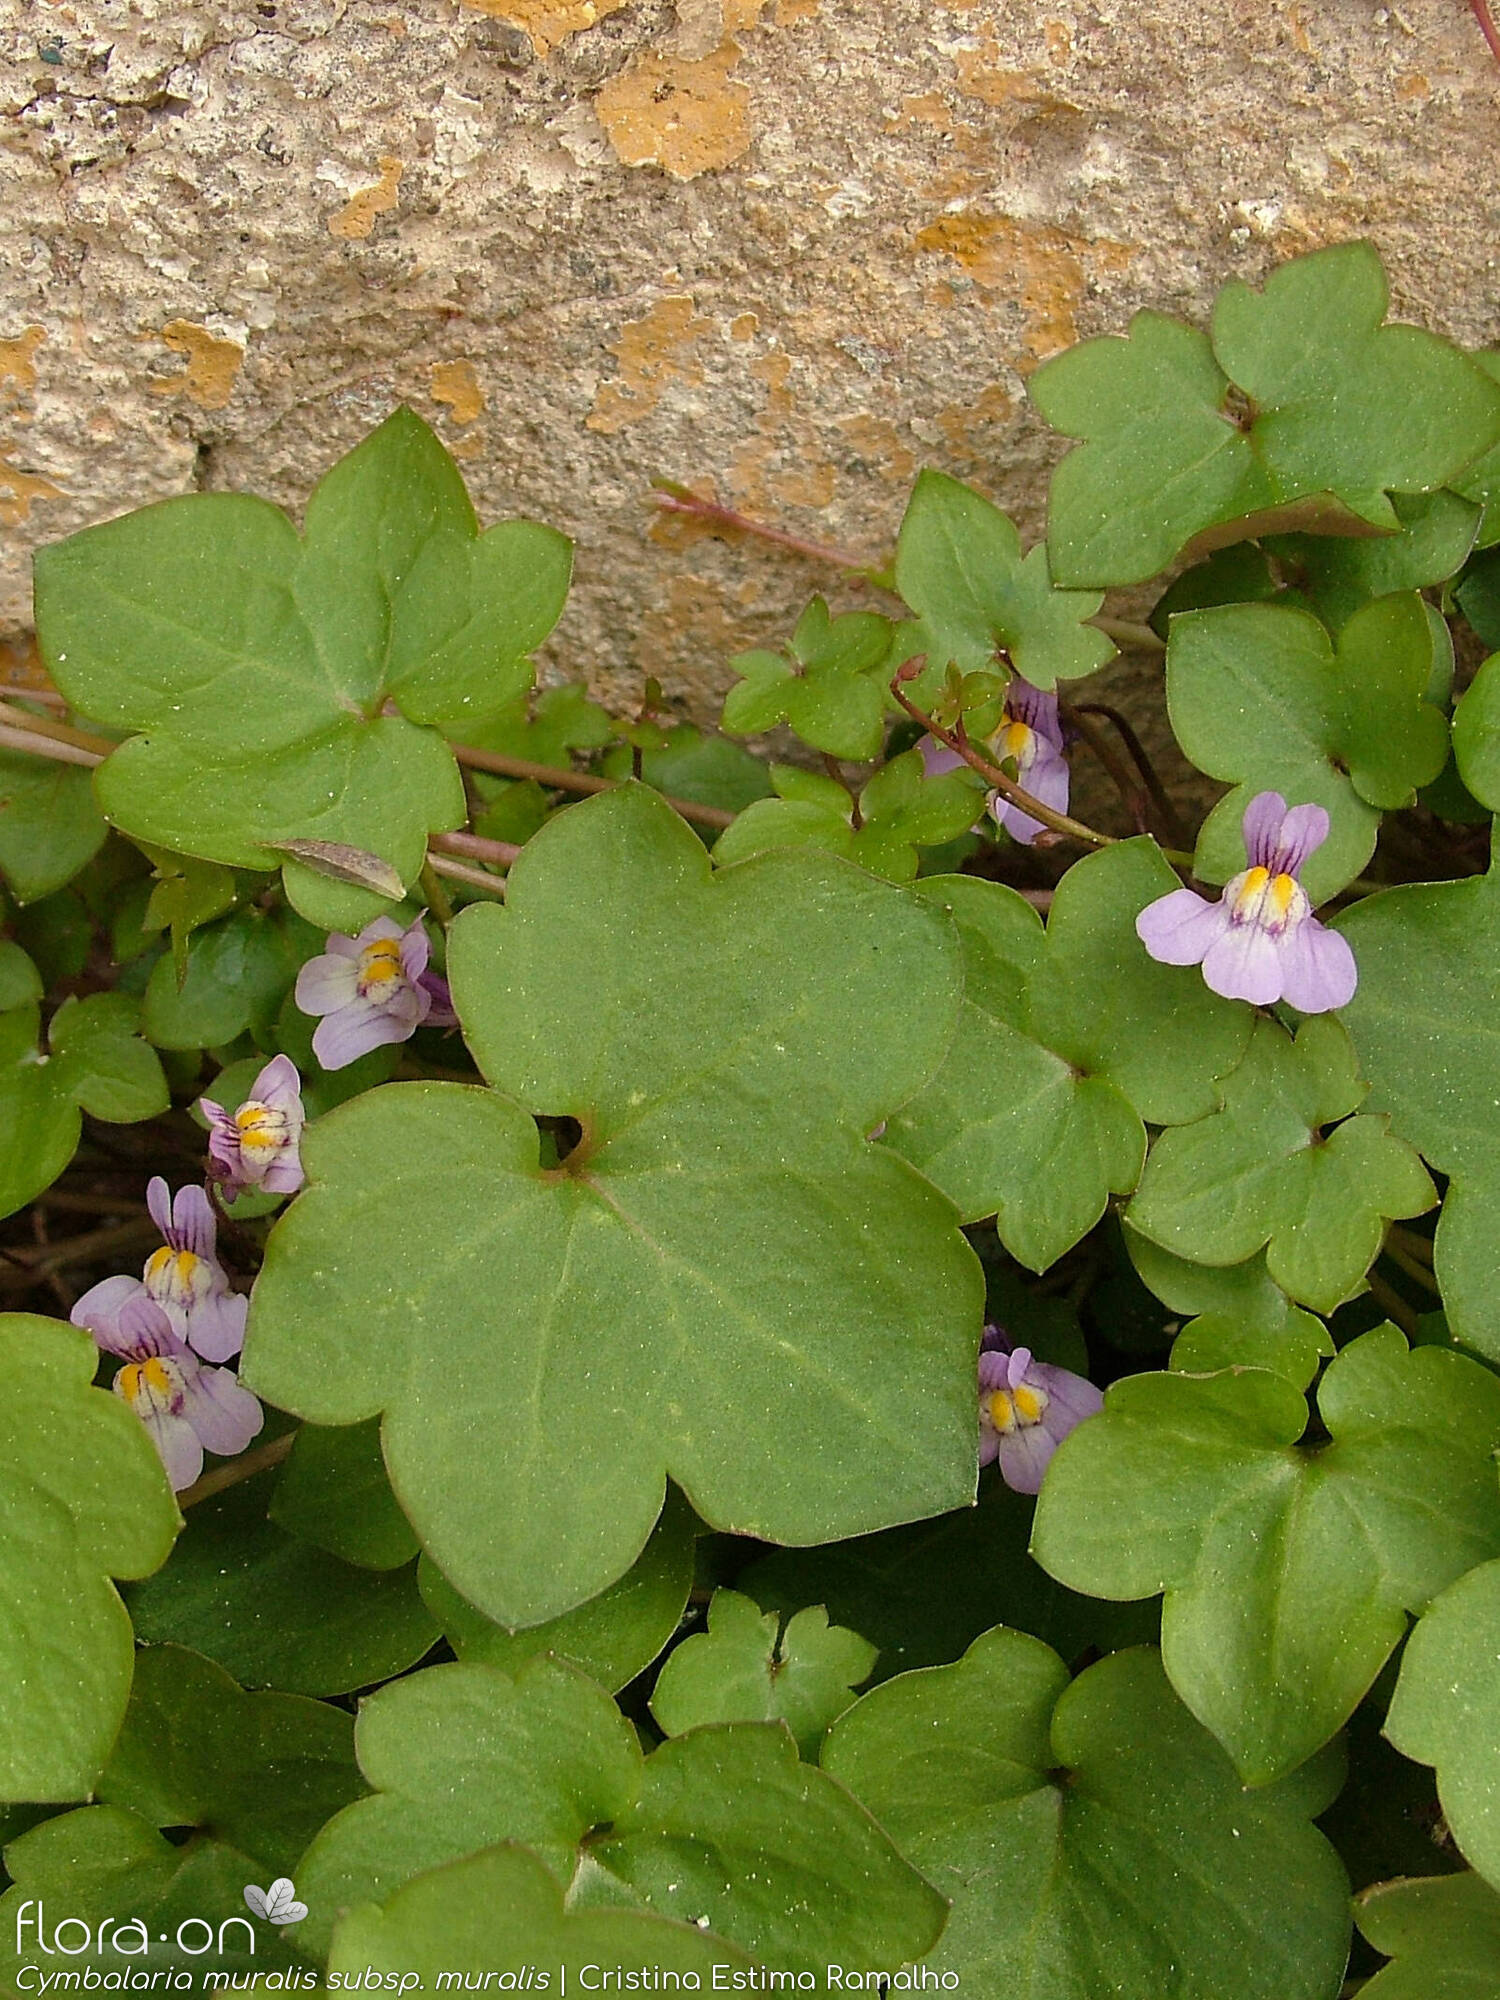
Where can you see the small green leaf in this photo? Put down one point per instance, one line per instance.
(106, 1867)
(1476, 734)
(723, 1823)
(1339, 573)
(699, 765)
(750, 1668)
(1288, 1573)
(261, 1771)
(1261, 696)
(1094, 1840)
(826, 688)
(1446, 1710)
(1066, 1040)
(960, 568)
(1442, 1934)
(1303, 412)
(500, 1907)
(20, 982)
(1423, 1022)
(39, 1125)
(186, 895)
(613, 1637)
(50, 827)
(99, 1060)
(252, 668)
(238, 972)
(333, 1492)
(274, 1610)
(85, 1499)
(543, 725)
(1261, 1172)
(1239, 1316)
(689, 1043)
(461, 1757)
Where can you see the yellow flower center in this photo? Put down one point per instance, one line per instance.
(380, 963)
(176, 1277)
(1272, 902)
(1017, 740)
(263, 1132)
(1016, 1409)
(153, 1382)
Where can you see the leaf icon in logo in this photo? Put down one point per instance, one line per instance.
(278, 1904)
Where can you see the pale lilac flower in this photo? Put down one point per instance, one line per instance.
(257, 1146)
(185, 1407)
(1260, 942)
(371, 989)
(184, 1278)
(1026, 1409)
(1030, 737)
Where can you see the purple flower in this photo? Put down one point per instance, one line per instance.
(372, 989)
(1260, 942)
(185, 1407)
(258, 1144)
(185, 1279)
(1026, 1409)
(1029, 736)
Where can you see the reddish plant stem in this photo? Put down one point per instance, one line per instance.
(558, 780)
(475, 848)
(1072, 829)
(1171, 826)
(1481, 12)
(460, 871)
(244, 1467)
(674, 499)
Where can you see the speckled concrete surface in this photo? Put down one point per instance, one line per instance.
(784, 250)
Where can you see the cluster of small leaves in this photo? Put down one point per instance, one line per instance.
(614, 1582)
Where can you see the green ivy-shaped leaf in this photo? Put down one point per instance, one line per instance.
(613, 1637)
(106, 1866)
(1446, 1710)
(1481, 480)
(1288, 1573)
(1476, 734)
(277, 1611)
(696, 764)
(960, 568)
(1260, 695)
(501, 1907)
(1339, 573)
(749, 1667)
(1442, 1934)
(900, 811)
(238, 972)
(1067, 1040)
(185, 895)
(1093, 1838)
(825, 686)
(717, 1119)
(251, 668)
(84, 1499)
(333, 1492)
(1263, 1173)
(20, 982)
(49, 824)
(95, 1062)
(724, 1823)
(260, 1771)
(1423, 1022)
(1302, 411)
(1239, 1316)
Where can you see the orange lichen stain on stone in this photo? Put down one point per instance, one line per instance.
(877, 439)
(547, 22)
(688, 117)
(213, 364)
(1043, 267)
(959, 421)
(651, 352)
(356, 218)
(790, 11)
(1058, 36)
(1413, 86)
(744, 326)
(980, 74)
(930, 107)
(694, 624)
(456, 384)
(17, 364)
(18, 489)
(771, 468)
(1302, 41)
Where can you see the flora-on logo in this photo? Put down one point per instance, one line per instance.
(278, 1904)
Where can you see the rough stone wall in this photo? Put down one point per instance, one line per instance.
(784, 250)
